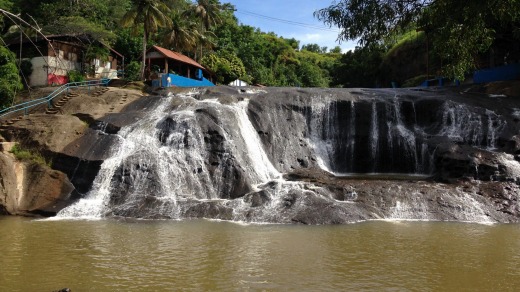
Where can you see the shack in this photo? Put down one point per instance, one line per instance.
(53, 57)
(167, 68)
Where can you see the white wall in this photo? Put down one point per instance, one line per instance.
(238, 82)
(42, 66)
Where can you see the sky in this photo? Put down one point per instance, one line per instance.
(279, 16)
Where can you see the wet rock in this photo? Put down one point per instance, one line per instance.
(212, 210)
(257, 199)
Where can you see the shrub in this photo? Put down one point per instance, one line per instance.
(75, 76)
(26, 155)
(10, 81)
(132, 71)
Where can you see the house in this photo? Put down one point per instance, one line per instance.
(52, 58)
(168, 68)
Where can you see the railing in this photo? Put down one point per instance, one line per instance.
(25, 106)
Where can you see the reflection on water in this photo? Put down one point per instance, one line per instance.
(201, 255)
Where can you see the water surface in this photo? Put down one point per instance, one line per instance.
(111, 255)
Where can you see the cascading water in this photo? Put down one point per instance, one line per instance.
(206, 157)
(164, 161)
(464, 125)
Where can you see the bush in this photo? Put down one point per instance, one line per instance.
(10, 81)
(75, 76)
(27, 155)
(132, 71)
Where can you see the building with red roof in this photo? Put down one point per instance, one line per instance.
(163, 63)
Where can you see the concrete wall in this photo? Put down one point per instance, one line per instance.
(44, 66)
(507, 72)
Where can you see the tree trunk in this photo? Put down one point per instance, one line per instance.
(143, 65)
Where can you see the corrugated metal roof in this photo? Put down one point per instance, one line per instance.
(177, 56)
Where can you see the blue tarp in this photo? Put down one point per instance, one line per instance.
(180, 81)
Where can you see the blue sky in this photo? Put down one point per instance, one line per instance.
(300, 11)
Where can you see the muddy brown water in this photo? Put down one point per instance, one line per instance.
(199, 255)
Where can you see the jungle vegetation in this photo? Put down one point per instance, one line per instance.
(398, 40)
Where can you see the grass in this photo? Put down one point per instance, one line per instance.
(406, 41)
(415, 81)
(27, 155)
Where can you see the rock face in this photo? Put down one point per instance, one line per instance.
(73, 139)
(311, 156)
(32, 189)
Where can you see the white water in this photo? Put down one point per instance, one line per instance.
(181, 168)
(257, 160)
(179, 165)
(322, 146)
(459, 123)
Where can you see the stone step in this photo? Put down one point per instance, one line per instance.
(51, 111)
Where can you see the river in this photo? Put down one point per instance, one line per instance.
(199, 255)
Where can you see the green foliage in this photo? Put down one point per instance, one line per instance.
(128, 45)
(95, 51)
(409, 40)
(315, 48)
(23, 154)
(336, 50)
(226, 65)
(458, 30)
(79, 25)
(6, 5)
(148, 15)
(75, 76)
(415, 81)
(132, 71)
(359, 68)
(10, 81)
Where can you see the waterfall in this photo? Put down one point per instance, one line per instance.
(322, 132)
(133, 139)
(257, 161)
(162, 160)
(200, 156)
(374, 136)
(460, 123)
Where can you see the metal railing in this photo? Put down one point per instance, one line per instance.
(26, 106)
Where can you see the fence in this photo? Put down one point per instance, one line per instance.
(26, 106)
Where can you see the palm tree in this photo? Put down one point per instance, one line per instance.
(149, 14)
(183, 34)
(208, 11)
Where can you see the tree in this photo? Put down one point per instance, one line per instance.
(336, 50)
(314, 48)
(208, 12)
(149, 15)
(183, 34)
(226, 65)
(458, 29)
(358, 68)
(10, 81)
